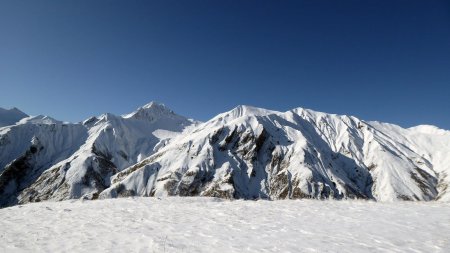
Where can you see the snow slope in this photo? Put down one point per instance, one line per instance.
(11, 116)
(211, 225)
(42, 158)
(255, 153)
(32, 146)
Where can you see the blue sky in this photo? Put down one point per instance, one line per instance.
(377, 60)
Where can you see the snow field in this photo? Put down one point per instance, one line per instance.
(210, 225)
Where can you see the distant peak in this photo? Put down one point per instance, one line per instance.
(153, 104)
(13, 110)
(150, 111)
(156, 108)
(39, 119)
(11, 116)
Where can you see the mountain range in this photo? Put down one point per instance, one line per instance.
(245, 153)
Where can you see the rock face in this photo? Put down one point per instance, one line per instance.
(246, 153)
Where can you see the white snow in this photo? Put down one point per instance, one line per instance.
(59, 139)
(212, 225)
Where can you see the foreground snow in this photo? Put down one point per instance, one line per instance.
(211, 225)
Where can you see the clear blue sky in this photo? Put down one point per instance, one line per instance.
(377, 60)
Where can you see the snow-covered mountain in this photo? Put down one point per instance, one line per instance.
(245, 153)
(43, 159)
(11, 116)
(255, 153)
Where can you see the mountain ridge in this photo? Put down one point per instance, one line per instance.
(247, 152)
(104, 145)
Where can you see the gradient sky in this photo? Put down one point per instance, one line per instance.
(377, 60)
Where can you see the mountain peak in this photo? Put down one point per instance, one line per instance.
(428, 129)
(11, 116)
(39, 119)
(150, 111)
(244, 110)
(154, 104)
(13, 110)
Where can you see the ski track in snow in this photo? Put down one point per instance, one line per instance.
(211, 225)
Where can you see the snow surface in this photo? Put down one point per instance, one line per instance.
(211, 225)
